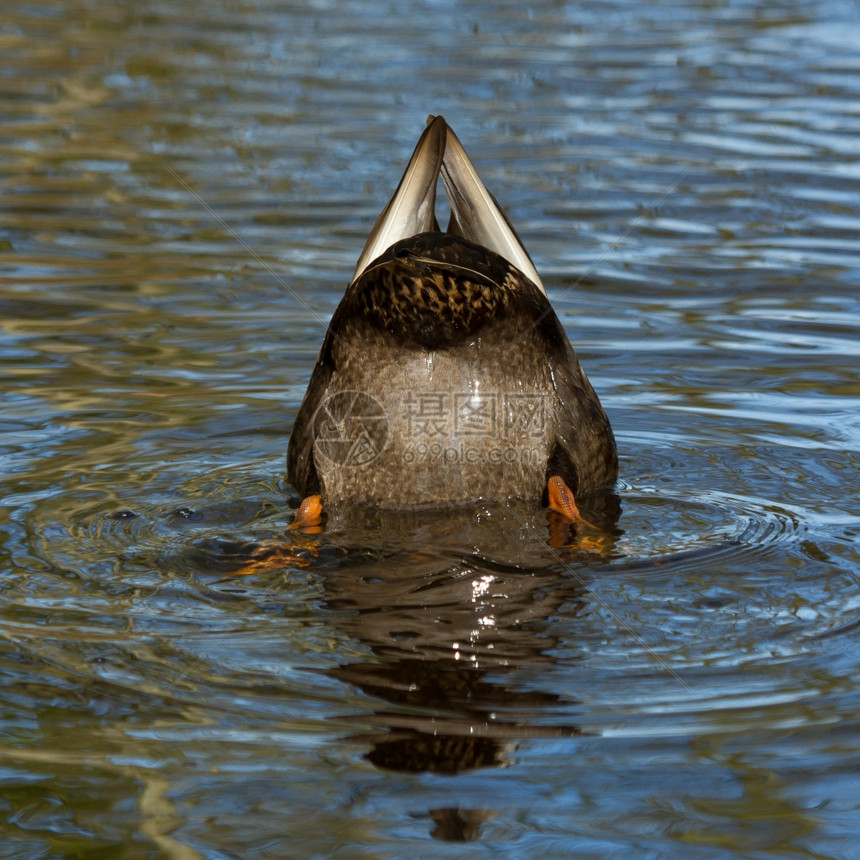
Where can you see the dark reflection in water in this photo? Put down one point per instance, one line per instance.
(457, 825)
(444, 640)
(449, 603)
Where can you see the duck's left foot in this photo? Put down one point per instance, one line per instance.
(308, 518)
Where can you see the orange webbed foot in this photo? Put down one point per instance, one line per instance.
(273, 555)
(561, 500)
(564, 515)
(308, 518)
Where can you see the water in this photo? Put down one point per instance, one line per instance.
(185, 192)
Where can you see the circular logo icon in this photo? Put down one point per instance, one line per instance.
(350, 428)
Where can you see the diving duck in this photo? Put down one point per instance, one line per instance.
(445, 376)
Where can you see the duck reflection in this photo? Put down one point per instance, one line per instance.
(453, 605)
(449, 624)
(458, 825)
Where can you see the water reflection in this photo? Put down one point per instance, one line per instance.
(455, 609)
(458, 825)
(450, 604)
(448, 623)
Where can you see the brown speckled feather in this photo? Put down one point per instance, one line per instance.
(442, 324)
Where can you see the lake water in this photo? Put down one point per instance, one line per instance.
(185, 190)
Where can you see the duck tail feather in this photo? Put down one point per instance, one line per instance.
(475, 214)
(411, 209)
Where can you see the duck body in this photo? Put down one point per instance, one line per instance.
(445, 376)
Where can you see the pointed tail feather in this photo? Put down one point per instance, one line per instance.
(475, 214)
(412, 208)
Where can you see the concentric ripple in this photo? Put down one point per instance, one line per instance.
(671, 532)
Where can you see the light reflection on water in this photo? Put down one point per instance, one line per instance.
(185, 194)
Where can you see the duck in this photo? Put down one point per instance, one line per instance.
(445, 377)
